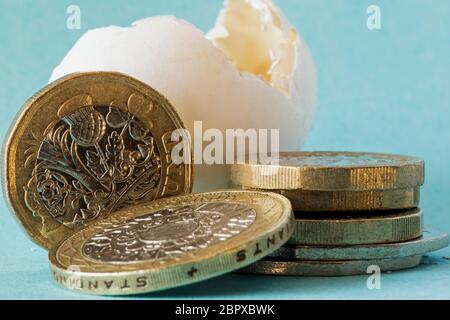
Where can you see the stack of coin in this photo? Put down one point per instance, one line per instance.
(353, 210)
(88, 173)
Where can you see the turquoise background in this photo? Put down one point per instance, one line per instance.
(383, 91)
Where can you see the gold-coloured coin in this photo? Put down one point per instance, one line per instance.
(332, 171)
(312, 201)
(172, 242)
(328, 268)
(375, 227)
(88, 145)
(391, 199)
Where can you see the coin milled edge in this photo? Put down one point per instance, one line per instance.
(357, 178)
(328, 268)
(432, 240)
(337, 229)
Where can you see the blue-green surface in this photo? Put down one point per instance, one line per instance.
(381, 91)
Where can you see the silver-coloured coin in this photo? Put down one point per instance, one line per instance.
(431, 240)
(328, 268)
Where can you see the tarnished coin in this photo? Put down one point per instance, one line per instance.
(339, 229)
(328, 268)
(172, 242)
(391, 199)
(332, 171)
(88, 145)
(431, 240)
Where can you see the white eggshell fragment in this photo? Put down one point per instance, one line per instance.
(213, 80)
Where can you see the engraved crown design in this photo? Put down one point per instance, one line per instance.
(169, 232)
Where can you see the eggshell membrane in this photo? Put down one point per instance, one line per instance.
(175, 58)
(258, 39)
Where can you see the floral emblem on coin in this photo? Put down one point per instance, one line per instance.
(169, 232)
(92, 161)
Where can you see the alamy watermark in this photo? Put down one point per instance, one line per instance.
(73, 21)
(213, 146)
(374, 280)
(374, 18)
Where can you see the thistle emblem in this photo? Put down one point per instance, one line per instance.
(87, 127)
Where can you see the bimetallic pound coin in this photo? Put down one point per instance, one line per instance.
(328, 268)
(339, 229)
(332, 171)
(371, 200)
(172, 242)
(391, 199)
(86, 146)
(431, 240)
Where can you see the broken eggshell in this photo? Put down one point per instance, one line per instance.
(252, 71)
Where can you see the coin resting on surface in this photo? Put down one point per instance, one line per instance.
(390, 199)
(172, 242)
(332, 171)
(431, 240)
(328, 268)
(341, 229)
(86, 146)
